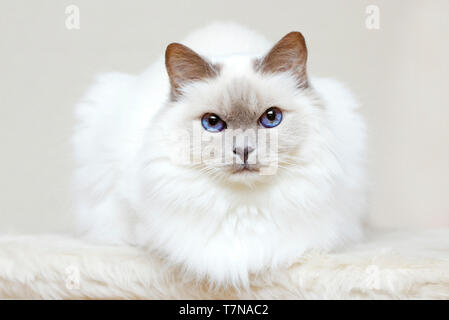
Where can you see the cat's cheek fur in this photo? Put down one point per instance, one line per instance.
(131, 191)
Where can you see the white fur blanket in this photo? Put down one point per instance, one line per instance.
(394, 265)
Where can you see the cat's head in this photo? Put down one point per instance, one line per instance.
(240, 119)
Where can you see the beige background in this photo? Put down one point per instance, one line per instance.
(399, 72)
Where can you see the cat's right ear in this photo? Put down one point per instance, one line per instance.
(185, 65)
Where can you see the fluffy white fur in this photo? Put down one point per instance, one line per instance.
(214, 226)
(400, 265)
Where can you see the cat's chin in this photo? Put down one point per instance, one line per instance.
(245, 169)
(246, 174)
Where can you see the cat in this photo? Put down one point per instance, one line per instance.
(221, 220)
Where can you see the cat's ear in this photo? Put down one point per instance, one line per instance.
(185, 65)
(288, 55)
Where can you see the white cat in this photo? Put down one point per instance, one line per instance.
(221, 221)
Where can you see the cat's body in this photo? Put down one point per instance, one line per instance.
(220, 225)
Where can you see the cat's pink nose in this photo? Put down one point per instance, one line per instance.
(243, 152)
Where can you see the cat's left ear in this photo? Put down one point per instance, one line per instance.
(288, 55)
(185, 65)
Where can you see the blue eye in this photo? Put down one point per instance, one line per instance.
(212, 123)
(271, 118)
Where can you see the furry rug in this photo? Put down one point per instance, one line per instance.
(393, 265)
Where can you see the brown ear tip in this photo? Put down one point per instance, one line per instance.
(174, 48)
(171, 47)
(295, 35)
